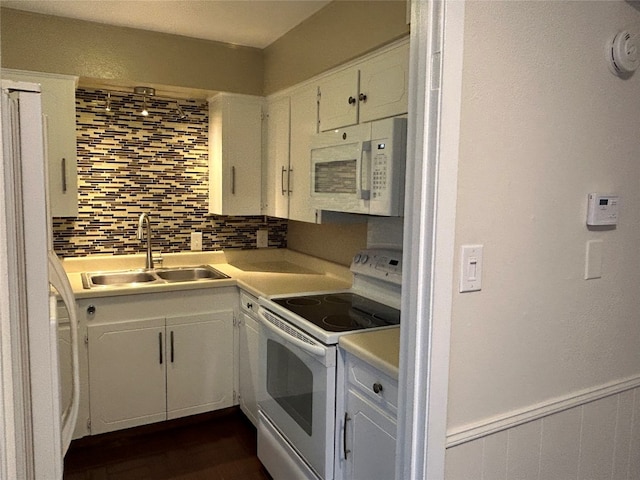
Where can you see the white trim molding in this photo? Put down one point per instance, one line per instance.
(435, 90)
(514, 418)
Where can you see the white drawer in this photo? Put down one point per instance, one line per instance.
(249, 304)
(375, 385)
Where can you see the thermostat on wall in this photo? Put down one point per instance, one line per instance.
(603, 209)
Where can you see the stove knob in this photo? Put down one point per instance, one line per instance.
(364, 259)
(356, 259)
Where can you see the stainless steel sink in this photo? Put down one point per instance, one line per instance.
(120, 278)
(132, 278)
(189, 274)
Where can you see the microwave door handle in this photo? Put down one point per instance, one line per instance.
(365, 170)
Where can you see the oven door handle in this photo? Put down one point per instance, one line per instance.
(316, 350)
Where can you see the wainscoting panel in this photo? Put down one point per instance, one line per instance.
(599, 440)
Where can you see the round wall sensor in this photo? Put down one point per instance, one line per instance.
(623, 52)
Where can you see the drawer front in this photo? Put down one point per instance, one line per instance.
(249, 304)
(373, 384)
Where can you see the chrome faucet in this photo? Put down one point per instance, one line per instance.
(145, 218)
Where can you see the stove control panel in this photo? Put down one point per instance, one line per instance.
(384, 264)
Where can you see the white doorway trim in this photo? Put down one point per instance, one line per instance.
(437, 34)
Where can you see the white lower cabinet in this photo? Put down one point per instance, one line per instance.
(127, 374)
(248, 329)
(155, 357)
(366, 433)
(199, 363)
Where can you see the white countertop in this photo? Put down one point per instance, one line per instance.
(380, 348)
(261, 272)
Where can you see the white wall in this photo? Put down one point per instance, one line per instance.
(544, 123)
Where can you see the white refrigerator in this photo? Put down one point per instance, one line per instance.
(37, 427)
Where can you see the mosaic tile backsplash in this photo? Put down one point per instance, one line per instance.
(129, 164)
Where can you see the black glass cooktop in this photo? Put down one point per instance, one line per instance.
(341, 312)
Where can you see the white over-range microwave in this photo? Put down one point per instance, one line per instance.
(360, 169)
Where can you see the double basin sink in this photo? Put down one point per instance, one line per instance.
(132, 278)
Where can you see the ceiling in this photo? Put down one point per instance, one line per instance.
(253, 23)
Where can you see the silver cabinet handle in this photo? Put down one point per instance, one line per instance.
(64, 175)
(289, 181)
(282, 180)
(172, 350)
(160, 346)
(233, 180)
(344, 436)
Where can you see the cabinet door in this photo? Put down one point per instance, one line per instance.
(371, 437)
(248, 359)
(59, 109)
(338, 105)
(126, 374)
(277, 159)
(384, 85)
(304, 124)
(199, 363)
(235, 151)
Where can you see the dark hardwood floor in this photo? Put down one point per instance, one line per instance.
(215, 446)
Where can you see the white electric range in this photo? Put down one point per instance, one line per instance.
(298, 362)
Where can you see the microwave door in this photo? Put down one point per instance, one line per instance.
(336, 178)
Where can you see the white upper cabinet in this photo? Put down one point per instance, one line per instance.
(276, 201)
(372, 89)
(291, 124)
(59, 108)
(338, 106)
(304, 120)
(235, 154)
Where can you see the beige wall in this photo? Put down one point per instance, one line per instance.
(51, 44)
(341, 31)
(544, 123)
(334, 242)
(60, 45)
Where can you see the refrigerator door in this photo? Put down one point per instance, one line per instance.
(36, 330)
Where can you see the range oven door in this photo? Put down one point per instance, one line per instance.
(297, 390)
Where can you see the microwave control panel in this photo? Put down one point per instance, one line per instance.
(388, 152)
(380, 161)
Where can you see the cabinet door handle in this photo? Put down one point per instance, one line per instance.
(362, 97)
(282, 180)
(289, 181)
(160, 346)
(172, 350)
(377, 387)
(63, 164)
(233, 180)
(344, 435)
(352, 101)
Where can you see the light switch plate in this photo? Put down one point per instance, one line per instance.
(593, 260)
(471, 268)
